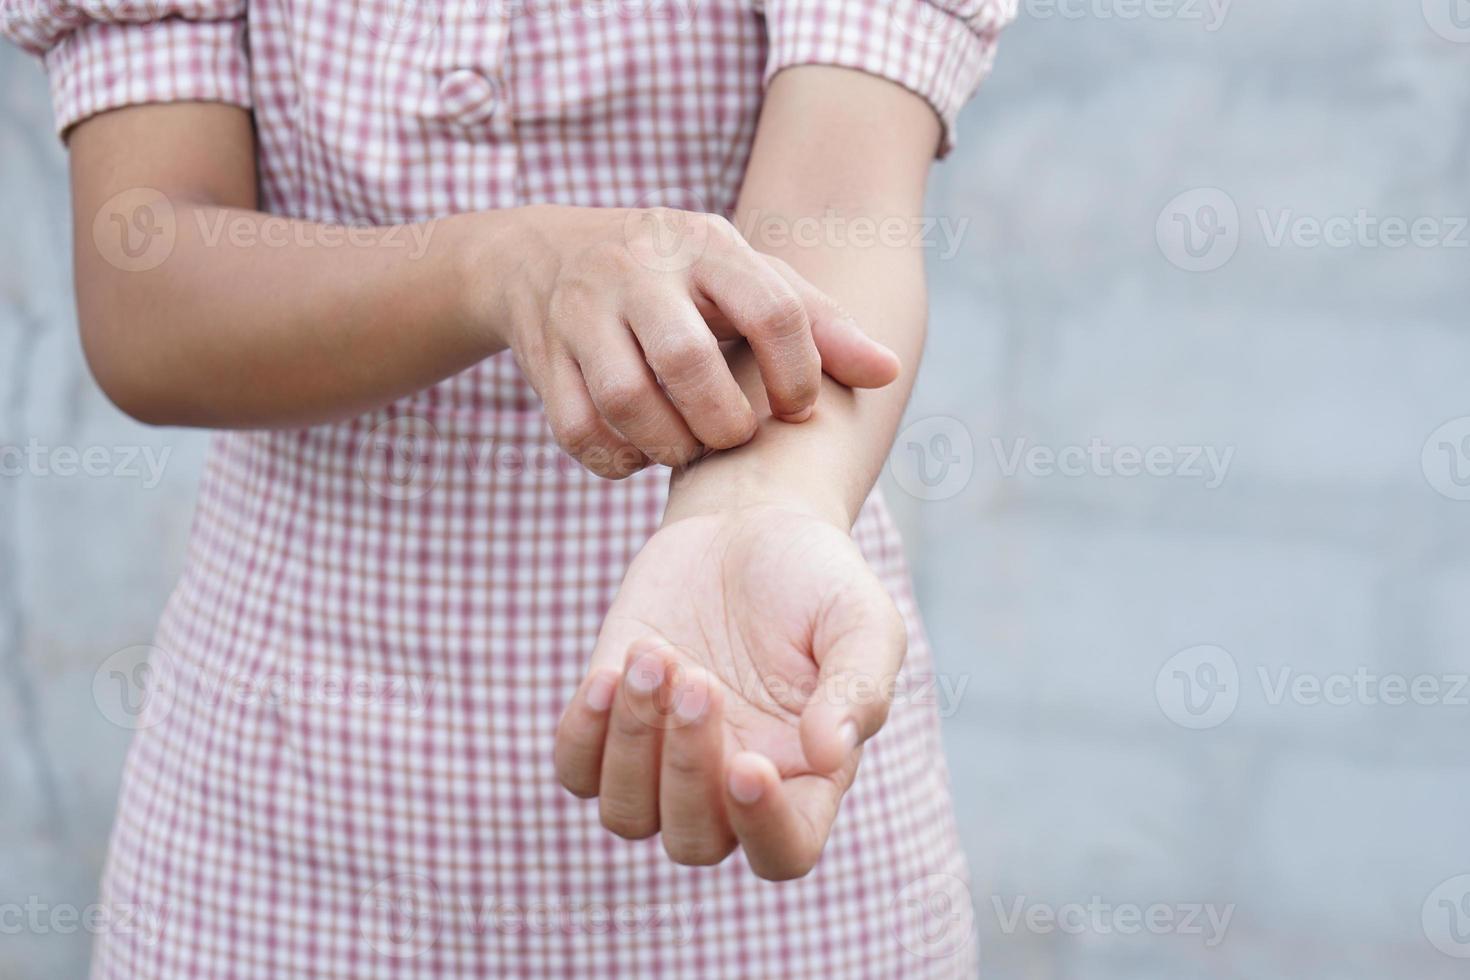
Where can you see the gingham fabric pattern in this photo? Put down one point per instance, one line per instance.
(344, 765)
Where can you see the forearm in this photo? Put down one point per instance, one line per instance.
(839, 155)
(259, 321)
(829, 463)
(197, 309)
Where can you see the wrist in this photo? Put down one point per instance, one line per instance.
(734, 480)
(488, 255)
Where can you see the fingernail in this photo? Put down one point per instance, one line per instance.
(600, 690)
(646, 674)
(848, 732)
(746, 787)
(692, 699)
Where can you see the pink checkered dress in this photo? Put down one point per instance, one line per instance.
(345, 765)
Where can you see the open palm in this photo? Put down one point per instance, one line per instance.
(743, 661)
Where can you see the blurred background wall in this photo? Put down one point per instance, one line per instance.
(1187, 489)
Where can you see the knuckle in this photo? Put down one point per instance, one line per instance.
(621, 397)
(782, 316)
(685, 766)
(721, 228)
(629, 725)
(577, 433)
(684, 358)
(608, 255)
(572, 299)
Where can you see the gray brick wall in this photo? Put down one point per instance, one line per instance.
(1330, 550)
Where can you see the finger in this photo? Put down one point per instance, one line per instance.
(625, 391)
(848, 354)
(763, 308)
(686, 358)
(859, 645)
(628, 791)
(781, 825)
(692, 820)
(581, 430)
(582, 731)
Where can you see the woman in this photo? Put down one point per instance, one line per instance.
(397, 255)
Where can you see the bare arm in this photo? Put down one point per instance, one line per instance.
(225, 330)
(842, 152)
(751, 612)
(215, 314)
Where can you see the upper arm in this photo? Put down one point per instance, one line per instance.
(190, 152)
(150, 96)
(134, 172)
(835, 187)
(842, 141)
(134, 168)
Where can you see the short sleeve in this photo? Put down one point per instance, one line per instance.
(939, 49)
(106, 54)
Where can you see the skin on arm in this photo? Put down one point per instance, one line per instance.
(831, 141)
(735, 713)
(256, 320)
(230, 336)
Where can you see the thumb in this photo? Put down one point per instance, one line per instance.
(859, 645)
(849, 355)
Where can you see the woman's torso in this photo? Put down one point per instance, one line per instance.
(442, 555)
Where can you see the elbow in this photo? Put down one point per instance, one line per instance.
(117, 363)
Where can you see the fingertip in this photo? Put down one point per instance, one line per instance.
(600, 689)
(883, 368)
(750, 778)
(645, 673)
(695, 698)
(737, 436)
(892, 367)
(828, 740)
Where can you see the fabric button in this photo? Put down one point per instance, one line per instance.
(468, 96)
